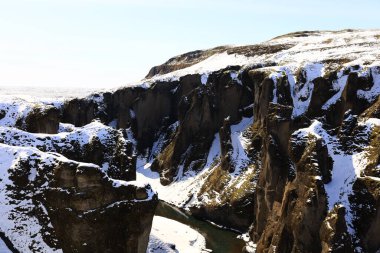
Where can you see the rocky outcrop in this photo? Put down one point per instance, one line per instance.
(226, 146)
(149, 120)
(293, 222)
(183, 61)
(90, 213)
(322, 92)
(80, 112)
(201, 113)
(333, 233)
(43, 120)
(94, 143)
(366, 210)
(290, 218)
(63, 204)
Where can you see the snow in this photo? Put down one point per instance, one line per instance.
(374, 92)
(68, 137)
(357, 47)
(371, 122)
(343, 173)
(338, 86)
(21, 228)
(235, 76)
(16, 222)
(204, 79)
(211, 64)
(240, 144)
(132, 114)
(346, 167)
(34, 94)
(138, 184)
(183, 190)
(178, 192)
(3, 247)
(302, 92)
(171, 236)
(250, 247)
(14, 110)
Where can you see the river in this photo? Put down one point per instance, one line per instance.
(217, 239)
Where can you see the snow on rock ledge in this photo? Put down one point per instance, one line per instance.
(335, 49)
(49, 203)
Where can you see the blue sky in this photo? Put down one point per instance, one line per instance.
(107, 43)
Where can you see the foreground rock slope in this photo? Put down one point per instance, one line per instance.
(280, 139)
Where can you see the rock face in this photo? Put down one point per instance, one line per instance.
(93, 143)
(293, 225)
(366, 210)
(43, 120)
(59, 204)
(201, 113)
(333, 233)
(118, 221)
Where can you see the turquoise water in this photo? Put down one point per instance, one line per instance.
(217, 239)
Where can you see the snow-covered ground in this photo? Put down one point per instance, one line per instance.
(170, 236)
(211, 64)
(21, 228)
(4, 248)
(356, 47)
(33, 94)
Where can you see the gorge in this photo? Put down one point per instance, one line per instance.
(279, 141)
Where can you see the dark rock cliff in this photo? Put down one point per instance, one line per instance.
(62, 204)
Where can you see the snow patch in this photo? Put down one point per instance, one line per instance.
(346, 167)
(372, 94)
(171, 236)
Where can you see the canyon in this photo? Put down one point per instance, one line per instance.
(279, 141)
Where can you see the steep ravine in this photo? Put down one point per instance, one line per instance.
(280, 140)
